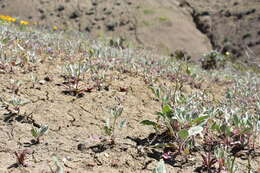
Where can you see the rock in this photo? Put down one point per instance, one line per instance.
(82, 147)
(75, 15)
(61, 8)
(41, 11)
(111, 26)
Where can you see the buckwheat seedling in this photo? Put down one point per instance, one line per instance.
(21, 157)
(16, 103)
(109, 127)
(38, 133)
(161, 168)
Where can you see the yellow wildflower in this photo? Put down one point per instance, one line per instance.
(22, 22)
(55, 28)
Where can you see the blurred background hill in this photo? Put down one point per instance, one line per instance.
(164, 26)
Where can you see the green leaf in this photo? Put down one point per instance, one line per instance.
(34, 132)
(200, 120)
(167, 109)
(5, 40)
(195, 130)
(226, 130)
(160, 114)
(122, 124)
(149, 123)
(183, 134)
(215, 126)
(246, 131)
(158, 93)
(236, 120)
(161, 168)
(108, 130)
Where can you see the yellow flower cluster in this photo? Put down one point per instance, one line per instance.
(12, 19)
(7, 18)
(55, 28)
(21, 22)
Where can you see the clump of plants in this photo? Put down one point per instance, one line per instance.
(181, 122)
(197, 123)
(213, 60)
(181, 55)
(74, 76)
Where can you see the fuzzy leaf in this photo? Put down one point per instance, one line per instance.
(59, 166)
(43, 130)
(161, 168)
(122, 124)
(195, 130)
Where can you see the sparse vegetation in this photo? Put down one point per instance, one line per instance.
(203, 120)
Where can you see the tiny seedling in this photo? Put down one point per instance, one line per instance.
(109, 127)
(161, 168)
(21, 157)
(38, 133)
(15, 103)
(15, 86)
(58, 164)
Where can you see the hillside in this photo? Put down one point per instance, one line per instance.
(59, 89)
(165, 26)
(147, 23)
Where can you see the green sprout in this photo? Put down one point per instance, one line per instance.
(109, 127)
(161, 168)
(38, 133)
(16, 103)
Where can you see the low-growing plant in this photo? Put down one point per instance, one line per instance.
(58, 164)
(181, 124)
(111, 123)
(74, 74)
(161, 168)
(15, 86)
(21, 157)
(14, 105)
(213, 60)
(38, 133)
